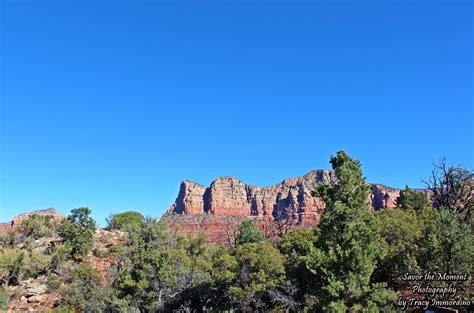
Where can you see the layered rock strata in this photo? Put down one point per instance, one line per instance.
(229, 201)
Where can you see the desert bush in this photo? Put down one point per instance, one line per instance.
(61, 253)
(37, 226)
(84, 292)
(53, 282)
(37, 263)
(13, 262)
(125, 221)
(100, 253)
(10, 237)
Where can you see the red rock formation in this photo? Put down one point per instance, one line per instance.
(383, 197)
(218, 209)
(17, 220)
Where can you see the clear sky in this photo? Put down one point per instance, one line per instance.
(111, 104)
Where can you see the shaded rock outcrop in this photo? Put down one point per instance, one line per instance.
(383, 197)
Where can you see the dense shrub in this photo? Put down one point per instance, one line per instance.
(84, 292)
(13, 263)
(126, 220)
(36, 226)
(53, 282)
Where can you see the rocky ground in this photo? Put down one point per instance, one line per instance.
(43, 292)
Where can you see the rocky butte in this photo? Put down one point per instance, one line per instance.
(17, 220)
(218, 209)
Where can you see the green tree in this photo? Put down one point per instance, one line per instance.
(402, 232)
(77, 231)
(410, 199)
(446, 244)
(249, 233)
(125, 220)
(149, 273)
(429, 244)
(260, 270)
(457, 244)
(295, 246)
(349, 244)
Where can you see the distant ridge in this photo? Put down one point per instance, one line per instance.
(18, 219)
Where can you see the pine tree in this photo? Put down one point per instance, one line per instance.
(346, 252)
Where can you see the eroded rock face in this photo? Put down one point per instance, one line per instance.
(383, 197)
(228, 196)
(227, 201)
(190, 199)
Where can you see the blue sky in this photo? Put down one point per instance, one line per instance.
(111, 104)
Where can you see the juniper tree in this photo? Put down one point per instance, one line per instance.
(249, 233)
(77, 231)
(349, 244)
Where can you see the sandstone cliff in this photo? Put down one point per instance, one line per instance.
(227, 196)
(227, 201)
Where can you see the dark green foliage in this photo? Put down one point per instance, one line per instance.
(125, 221)
(4, 297)
(428, 240)
(260, 269)
(297, 243)
(447, 245)
(77, 231)
(456, 243)
(349, 244)
(295, 246)
(150, 266)
(249, 233)
(410, 199)
(402, 231)
(429, 245)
